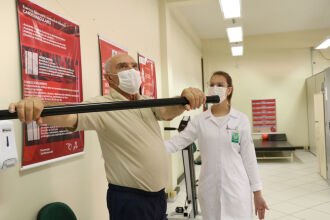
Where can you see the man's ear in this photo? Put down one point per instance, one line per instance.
(113, 80)
(107, 77)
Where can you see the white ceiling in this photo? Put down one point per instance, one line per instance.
(258, 16)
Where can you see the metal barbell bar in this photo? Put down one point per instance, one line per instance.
(108, 106)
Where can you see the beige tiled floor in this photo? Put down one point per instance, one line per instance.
(293, 190)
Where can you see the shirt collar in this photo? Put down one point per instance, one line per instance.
(232, 114)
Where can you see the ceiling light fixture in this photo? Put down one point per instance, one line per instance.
(324, 45)
(237, 50)
(235, 34)
(230, 8)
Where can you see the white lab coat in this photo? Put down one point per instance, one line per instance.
(229, 171)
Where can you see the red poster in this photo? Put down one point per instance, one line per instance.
(264, 115)
(107, 50)
(51, 70)
(148, 76)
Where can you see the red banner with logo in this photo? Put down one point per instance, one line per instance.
(148, 76)
(51, 70)
(264, 115)
(107, 50)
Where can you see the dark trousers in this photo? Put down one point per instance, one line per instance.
(126, 203)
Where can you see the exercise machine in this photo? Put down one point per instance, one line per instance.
(190, 208)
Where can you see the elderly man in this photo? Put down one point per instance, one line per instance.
(132, 146)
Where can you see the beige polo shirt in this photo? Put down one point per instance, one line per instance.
(132, 145)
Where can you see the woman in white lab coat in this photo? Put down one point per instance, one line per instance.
(229, 172)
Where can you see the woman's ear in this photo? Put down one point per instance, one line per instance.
(230, 90)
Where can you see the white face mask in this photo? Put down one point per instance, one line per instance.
(219, 91)
(129, 81)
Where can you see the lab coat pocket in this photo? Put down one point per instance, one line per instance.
(205, 183)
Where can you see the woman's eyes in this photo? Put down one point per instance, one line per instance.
(217, 85)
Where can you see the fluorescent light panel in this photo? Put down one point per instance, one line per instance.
(231, 8)
(235, 34)
(325, 44)
(237, 50)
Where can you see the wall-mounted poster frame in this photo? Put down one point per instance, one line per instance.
(107, 49)
(148, 76)
(51, 70)
(264, 115)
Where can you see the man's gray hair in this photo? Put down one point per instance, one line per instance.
(107, 65)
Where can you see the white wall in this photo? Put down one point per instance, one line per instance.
(273, 66)
(79, 182)
(184, 70)
(321, 60)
